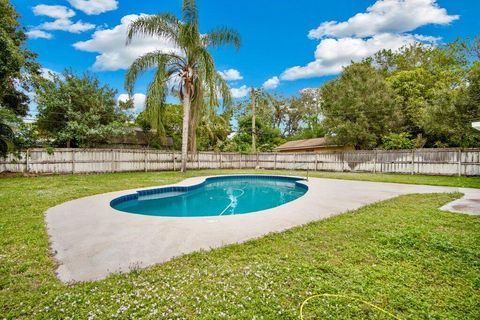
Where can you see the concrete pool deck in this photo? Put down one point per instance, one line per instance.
(91, 240)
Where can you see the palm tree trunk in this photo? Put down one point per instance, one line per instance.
(196, 109)
(193, 125)
(253, 121)
(186, 121)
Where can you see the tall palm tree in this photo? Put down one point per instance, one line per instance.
(191, 66)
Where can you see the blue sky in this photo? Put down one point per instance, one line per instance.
(286, 45)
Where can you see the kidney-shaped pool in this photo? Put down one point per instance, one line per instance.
(216, 196)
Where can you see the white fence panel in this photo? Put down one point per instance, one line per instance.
(437, 161)
(421, 161)
(470, 160)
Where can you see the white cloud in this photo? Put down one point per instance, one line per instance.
(38, 34)
(386, 16)
(332, 55)
(271, 83)
(430, 39)
(49, 73)
(230, 75)
(113, 53)
(67, 25)
(240, 92)
(385, 25)
(94, 6)
(62, 21)
(138, 101)
(56, 12)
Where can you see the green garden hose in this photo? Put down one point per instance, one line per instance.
(345, 297)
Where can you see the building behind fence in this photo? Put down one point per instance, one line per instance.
(419, 161)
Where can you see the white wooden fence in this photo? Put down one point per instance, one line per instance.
(420, 161)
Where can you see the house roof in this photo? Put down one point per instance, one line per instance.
(305, 144)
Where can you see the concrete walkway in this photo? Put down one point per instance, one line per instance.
(90, 240)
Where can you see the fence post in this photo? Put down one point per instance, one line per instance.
(375, 161)
(459, 159)
(219, 155)
(174, 162)
(145, 160)
(316, 161)
(256, 163)
(112, 157)
(73, 161)
(275, 162)
(413, 162)
(27, 161)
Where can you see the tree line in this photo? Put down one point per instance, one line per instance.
(418, 96)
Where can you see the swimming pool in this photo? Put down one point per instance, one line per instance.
(216, 196)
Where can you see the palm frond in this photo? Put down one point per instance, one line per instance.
(190, 12)
(207, 74)
(155, 102)
(222, 36)
(160, 25)
(146, 62)
(224, 90)
(189, 38)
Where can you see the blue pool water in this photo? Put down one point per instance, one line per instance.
(227, 195)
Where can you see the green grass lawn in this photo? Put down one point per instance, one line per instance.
(403, 255)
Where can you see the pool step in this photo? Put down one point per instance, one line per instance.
(160, 195)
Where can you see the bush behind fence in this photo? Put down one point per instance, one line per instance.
(419, 161)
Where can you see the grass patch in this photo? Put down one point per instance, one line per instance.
(403, 255)
(450, 181)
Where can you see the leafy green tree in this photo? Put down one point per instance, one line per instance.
(152, 138)
(289, 115)
(448, 121)
(213, 129)
(15, 133)
(267, 137)
(6, 137)
(359, 107)
(426, 81)
(262, 106)
(193, 66)
(418, 91)
(311, 125)
(451, 57)
(172, 118)
(397, 141)
(173, 124)
(26, 135)
(415, 91)
(17, 64)
(77, 111)
(302, 116)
